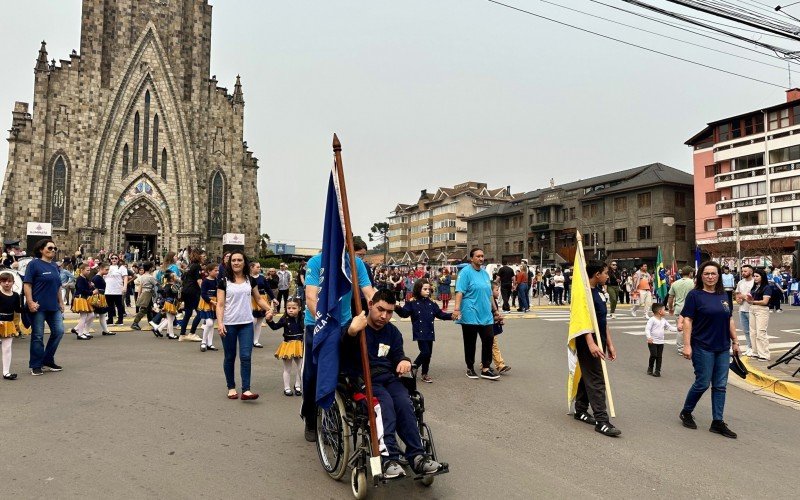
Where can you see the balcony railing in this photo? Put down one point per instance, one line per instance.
(739, 174)
(547, 226)
(729, 204)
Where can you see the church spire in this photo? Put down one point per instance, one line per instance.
(41, 61)
(238, 97)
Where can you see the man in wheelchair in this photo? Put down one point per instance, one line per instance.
(387, 360)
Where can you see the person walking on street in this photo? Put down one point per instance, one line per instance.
(522, 289)
(763, 293)
(677, 297)
(558, 288)
(116, 286)
(743, 288)
(67, 282)
(728, 283)
(284, 280)
(643, 285)
(709, 333)
(42, 289)
(506, 276)
(612, 287)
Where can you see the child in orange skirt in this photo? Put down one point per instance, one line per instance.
(291, 349)
(80, 303)
(170, 292)
(207, 309)
(98, 301)
(10, 303)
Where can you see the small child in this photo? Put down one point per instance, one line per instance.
(291, 349)
(10, 303)
(98, 301)
(422, 311)
(170, 308)
(207, 309)
(259, 314)
(499, 364)
(80, 303)
(656, 326)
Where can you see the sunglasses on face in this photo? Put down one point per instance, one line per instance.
(52, 249)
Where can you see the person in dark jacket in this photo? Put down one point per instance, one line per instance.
(422, 311)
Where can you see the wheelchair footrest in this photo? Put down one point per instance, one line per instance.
(444, 470)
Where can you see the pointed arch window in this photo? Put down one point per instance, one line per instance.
(216, 205)
(125, 158)
(146, 138)
(155, 143)
(164, 163)
(136, 141)
(58, 201)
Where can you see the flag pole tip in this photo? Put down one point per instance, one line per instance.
(337, 146)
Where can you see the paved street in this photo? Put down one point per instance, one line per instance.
(133, 416)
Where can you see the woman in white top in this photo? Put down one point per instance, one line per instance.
(235, 291)
(116, 286)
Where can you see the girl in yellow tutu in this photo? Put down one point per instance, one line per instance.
(291, 349)
(207, 309)
(80, 303)
(98, 301)
(10, 303)
(170, 292)
(258, 313)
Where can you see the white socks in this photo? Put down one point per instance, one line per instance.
(208, 332)
(168, 321)
(257, 324)
(7, 354)
(287, 374)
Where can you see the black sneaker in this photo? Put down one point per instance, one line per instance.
(649, 371)
(720, 427)
(656, 373)
(310, 432)
(135, 326)
(688, 420)
(584, 416)
(607, 429)
(53, 367)
(36, 372)
(471, 373)
(490, 375)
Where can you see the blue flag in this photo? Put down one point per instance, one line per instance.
(334, 282)
(696, 258)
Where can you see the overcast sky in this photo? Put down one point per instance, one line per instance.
(430, 93)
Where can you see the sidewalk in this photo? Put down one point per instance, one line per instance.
(777, 380)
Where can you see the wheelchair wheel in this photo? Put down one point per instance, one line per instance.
(333, 439)
(427, 480)
(427, 441)
(358, 483)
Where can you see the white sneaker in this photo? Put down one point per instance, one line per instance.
(748, 352)
(633, 313)
(780, 311)
(613, 316)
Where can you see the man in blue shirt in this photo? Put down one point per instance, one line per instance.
(309, 408)
(42, 288)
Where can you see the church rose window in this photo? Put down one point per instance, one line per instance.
(136, 141)
(59, 193)
(125, 155)
(146, 136)
(155, 144)
(163, 163)
(216, 205)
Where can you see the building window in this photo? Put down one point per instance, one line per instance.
(728, 131)
(620, 235)
(136, 141)
(216, 205)
(620, 204)
(487, 225)
(749, 161)
(507, 223)
(680, 199)
(59, 199)
(590, 211)
(753, 218)
(506, 247)
(712, 170)
(778, 119)
(125, 158)
(643, 200)
(572, 213)
(754, 125)
(785, 184)
(163, 163)
(749, 190)
(713, 224)
(146, 137)
(791, 153)
(713, 197)
(783, 215)
(680, 232)
(154, 163)
(645, 233)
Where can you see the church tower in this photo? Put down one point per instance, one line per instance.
(129, 141)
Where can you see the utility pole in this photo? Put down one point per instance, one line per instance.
(738, 240)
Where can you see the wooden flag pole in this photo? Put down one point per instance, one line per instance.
(595, 326)
(375, 459)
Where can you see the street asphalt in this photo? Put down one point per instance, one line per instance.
(134, 416)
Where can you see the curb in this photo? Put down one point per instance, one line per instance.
(787, 389)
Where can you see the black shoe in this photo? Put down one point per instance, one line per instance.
(688, 420)
(656, 373)
(649, 371)
(75, 331)
(36, 372)
(297, 392)
(135, 326)
(720, 427)
(10, 376)
(52, 367)
(607, 429)
(212, 348)
(108, 333)
(310, 433)
(120, 322)
(157, 333)
(584, 416)
(490, 374)
(83, 336)
(471, 373)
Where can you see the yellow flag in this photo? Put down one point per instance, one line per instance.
(581, 314)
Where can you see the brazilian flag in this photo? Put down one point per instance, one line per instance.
(661, 276)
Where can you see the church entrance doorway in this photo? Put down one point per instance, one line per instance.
(144, 243)
(141, 228)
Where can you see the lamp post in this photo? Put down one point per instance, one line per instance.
(540, 291)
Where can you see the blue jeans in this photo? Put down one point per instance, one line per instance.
(522, 295)
(397, 415)
(744, 319)
(710, 368)
(244, 335)
(41, 355)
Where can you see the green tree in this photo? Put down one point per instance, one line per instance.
(264, 245)
(380, 232)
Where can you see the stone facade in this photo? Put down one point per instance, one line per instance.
(129, 142)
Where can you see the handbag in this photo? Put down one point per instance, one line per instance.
(738, 367)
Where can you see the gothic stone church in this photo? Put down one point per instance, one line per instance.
(129, 141)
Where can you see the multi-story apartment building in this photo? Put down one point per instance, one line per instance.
(747, 181)
(433, 228)
(624, 216)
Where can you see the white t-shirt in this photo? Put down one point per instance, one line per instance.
(558, 281)
(656, 327)
(238, 310)
(744, 287)
(115, 280)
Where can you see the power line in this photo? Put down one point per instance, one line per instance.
(663, 35)
(634, 45)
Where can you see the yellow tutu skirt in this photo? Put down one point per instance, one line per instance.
(20, 327)
(169, 308)
(98, 301)
(81, 305)
(8, 329)
(290, 350)
(204, 306)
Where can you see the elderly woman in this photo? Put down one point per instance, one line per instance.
(708, 332)
(42, 287)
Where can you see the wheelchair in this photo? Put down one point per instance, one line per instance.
(343, 434)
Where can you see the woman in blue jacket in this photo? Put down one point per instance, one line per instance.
(423, 311)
